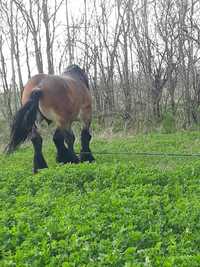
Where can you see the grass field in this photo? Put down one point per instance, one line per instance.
(123, 210)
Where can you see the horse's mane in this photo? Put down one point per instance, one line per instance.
(75, 70)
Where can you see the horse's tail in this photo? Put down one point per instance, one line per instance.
(24, 121)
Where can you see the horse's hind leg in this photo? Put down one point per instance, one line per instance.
(38, 161)
(86, 154)
(70, 139)
(62, 151)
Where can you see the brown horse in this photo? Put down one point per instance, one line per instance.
(59, 99)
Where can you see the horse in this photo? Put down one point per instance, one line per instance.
(60, 99)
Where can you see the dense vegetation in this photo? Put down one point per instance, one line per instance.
(142, 57)
(121, 211)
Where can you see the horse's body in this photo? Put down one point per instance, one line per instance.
(59, 99)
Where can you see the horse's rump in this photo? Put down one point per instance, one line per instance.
(63, 96)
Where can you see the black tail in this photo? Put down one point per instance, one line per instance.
(23, 122)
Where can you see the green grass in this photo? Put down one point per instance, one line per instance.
(120, 211)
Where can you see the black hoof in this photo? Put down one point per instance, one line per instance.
(39, 163)
(63, 156)
(35, 170)
(86, 156)
(67, 157)
(75, 159)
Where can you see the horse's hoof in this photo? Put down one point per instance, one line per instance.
(35, 170)
(75, 159)
(68, 158)
(87, 157)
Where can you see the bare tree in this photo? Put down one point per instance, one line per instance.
(8, 14)
(32, 17)
(68, 34)
(6, 94)
(50, 27)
